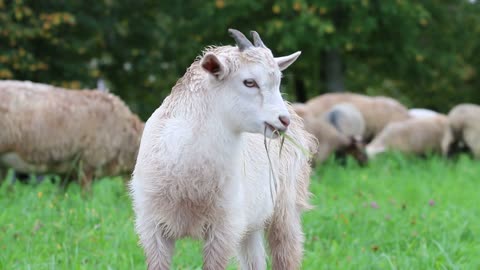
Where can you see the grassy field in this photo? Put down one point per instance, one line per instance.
(398, 213)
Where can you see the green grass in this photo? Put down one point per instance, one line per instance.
(397, 213)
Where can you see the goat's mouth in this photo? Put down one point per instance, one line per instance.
(275, 132)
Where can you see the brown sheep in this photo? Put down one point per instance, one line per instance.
(415, 136)
(333, 132)
(50, 129)
(331, 141)
(377, 111)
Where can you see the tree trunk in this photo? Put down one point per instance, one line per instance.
(334, 71)
(300, 92)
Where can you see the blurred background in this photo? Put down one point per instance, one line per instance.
(423, 53)
(395, 212)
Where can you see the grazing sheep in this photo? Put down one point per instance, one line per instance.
(339, 131)
(202, 170)
(331, 141)
(377, 111)
(420, 112)
(347, 119)
(464, 121)
(329, 134)
(415, 135)
(54, 130)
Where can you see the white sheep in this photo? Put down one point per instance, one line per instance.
(46, 129)
(202, 170)
(415, 136)
(464, 121)
(421, 112)
(377, 111)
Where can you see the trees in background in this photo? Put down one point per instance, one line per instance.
(75, 43)
(424, 53)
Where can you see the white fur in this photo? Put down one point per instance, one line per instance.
(420, 113)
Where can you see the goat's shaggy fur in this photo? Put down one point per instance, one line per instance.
(49, 129)
(414, 136)
(197, 176)
(464, 121)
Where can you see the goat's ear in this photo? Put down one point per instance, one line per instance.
(213, 65)
(285, 61)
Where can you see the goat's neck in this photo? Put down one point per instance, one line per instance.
(217, 140)
(212, 139)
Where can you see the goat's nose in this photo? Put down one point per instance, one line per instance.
(285, 120)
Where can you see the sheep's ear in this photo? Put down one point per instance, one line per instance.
(285, 61)
(213, 65)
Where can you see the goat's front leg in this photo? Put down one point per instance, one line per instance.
(285, 238)
(251, 253)
(220, 244)
(158, 248)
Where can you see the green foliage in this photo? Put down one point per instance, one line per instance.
(421, 52)
(396, 213)
(75, 43)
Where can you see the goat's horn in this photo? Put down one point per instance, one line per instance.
(242, 41)
(257, 41)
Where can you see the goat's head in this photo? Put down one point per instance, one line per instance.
(248, 77)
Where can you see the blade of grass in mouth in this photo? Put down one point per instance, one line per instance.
(304, 151)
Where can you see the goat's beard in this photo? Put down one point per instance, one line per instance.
(271, 173)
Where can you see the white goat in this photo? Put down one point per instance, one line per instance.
(202, 170)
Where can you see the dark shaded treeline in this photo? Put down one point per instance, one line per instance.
(424, 53)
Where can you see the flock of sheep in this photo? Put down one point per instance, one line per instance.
(203, 164)
(89, 134)
(364, 126)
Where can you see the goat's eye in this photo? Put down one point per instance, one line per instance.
(250, 83)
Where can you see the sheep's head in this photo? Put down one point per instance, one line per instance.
(248, 77)
(356, 149)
